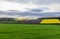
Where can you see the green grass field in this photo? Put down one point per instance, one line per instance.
(29, 31)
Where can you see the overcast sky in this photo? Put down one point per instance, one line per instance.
(25, 5)
(22, 5)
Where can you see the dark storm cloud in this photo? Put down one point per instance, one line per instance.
(36, 1)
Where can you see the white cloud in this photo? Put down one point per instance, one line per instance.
(49, 8)
(5, 5)
(53, 8)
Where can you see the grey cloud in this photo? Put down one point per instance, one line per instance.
(36, 1)
(24, 14)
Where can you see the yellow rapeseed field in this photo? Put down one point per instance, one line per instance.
(50, 21)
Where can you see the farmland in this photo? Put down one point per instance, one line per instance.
(29, 31)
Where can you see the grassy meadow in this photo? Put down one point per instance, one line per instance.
(29, 31)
